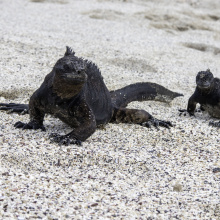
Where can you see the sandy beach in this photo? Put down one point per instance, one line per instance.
(122, 171)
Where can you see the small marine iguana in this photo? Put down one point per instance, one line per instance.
(74, 91)
(207, 94)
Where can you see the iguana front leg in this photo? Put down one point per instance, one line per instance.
(36, 117)
(79, 134)
(191, 107)
(82, 119)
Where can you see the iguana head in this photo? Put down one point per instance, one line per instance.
(204, 79)
(69, 75)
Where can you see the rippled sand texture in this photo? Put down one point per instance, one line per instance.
(122, 171)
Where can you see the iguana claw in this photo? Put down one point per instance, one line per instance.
(64, 139)
(30, 125)
(156, 123)
(184, 112)
(214, 124)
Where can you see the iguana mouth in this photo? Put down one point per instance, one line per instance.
(204, 86)
(75, 76)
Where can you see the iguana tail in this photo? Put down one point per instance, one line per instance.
(13, 107)
(142, 92)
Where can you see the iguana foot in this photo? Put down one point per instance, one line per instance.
(13, 107)
(30, 125)
(184, 112)
(214, 124)
(64, 139)
(156, 123)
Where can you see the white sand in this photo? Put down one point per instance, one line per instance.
(124, 171)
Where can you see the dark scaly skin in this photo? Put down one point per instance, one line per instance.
(74, 91)
(207, 94)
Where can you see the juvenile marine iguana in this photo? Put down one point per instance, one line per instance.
(207, 94)
(74, 91)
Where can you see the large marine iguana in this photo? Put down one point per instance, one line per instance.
(207, 94)
(74, 91)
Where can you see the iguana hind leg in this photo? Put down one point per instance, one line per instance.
(13, 107)
(135, 116)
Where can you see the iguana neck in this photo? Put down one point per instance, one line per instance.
(67, 90)
(205, 91)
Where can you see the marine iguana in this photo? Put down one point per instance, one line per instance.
(207, 94)
(74, 91)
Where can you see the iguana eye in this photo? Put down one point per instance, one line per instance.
(79, 72)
